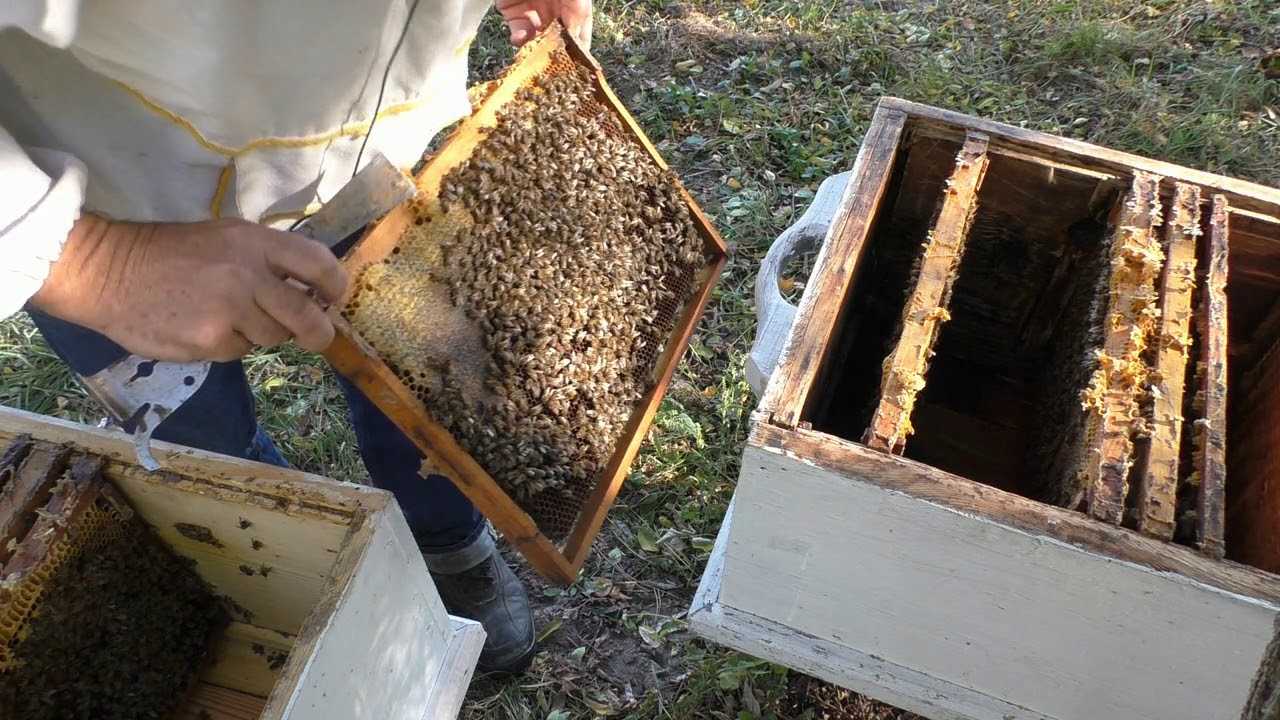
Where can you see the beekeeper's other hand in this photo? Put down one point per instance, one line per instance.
(526, 17)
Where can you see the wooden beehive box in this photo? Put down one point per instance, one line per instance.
(1018, 456)
(332, 613)
(413, 334)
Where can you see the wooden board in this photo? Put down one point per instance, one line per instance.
(1112, 398)
(830, 660)
(274, 565)
(1209, 456)
(834, 270)
(359, 362)
(28, 488)
(839, 561)
(211, 702)
(248, 658)
(1157, 462)
(386, 614)
(953, 125)
(926, 310)
(1254, 497)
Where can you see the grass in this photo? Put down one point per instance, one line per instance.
(754, 102)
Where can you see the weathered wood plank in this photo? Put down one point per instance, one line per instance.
(1158, 459)
(248, 659)
(380, 635)
(1111, 400)
(14, 454)
(449, 688)
(201, 472)
(1209, 455)
(951, 125)
(211, 702)
(29, 489)
(965, 602)
(834, 271)
(1255, 466)
(1049, 522)
(275, 565)
(926, 309)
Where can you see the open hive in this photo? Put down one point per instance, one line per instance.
(309, 577)
(1057, 326)
(1018, 454)
(97, 617)
(534, 299)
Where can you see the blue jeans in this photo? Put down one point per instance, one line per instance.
(441, 517)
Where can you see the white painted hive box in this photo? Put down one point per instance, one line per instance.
(890, 532)
(334, 614)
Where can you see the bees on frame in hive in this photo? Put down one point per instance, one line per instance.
(552, 266)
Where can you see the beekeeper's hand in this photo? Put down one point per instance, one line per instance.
(198, 291)
(526, 17)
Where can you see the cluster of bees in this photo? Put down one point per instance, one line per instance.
(575, 254)
(120, 630)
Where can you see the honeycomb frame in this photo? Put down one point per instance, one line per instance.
(356, 358)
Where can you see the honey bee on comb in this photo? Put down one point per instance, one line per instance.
(553, 269)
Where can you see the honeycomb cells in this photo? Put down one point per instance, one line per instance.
(572, 254)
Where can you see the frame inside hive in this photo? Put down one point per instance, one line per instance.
(966, 355)
(578, 521)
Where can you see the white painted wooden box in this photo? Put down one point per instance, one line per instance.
(334, 613)
(949, 596)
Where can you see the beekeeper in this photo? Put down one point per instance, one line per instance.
(151, 151)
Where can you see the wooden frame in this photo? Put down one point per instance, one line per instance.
(1135, 261)
(322, 573)
(358, 361)
(955, 599)
(926, 310)
(1158, 458)
(1210, 455)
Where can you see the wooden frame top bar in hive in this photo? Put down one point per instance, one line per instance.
(456, 335)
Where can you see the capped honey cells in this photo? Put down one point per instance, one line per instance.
(529, 303)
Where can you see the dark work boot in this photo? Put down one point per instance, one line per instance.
(476, 583)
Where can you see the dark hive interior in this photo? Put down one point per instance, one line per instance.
(528, 305)
(1003, 397)
(980, 414)
(98, 618)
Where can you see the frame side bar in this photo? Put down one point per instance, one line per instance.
(1158, 458)
(359, 365)
(837, 263)
(1111, 399)
(1209, 456)
(927, 309)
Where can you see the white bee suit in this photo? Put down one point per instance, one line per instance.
(172, 110)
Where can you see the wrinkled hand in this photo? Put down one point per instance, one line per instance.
(197, 291)
(526, 17)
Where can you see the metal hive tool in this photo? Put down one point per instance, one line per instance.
(522, 317)
(97, 617)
